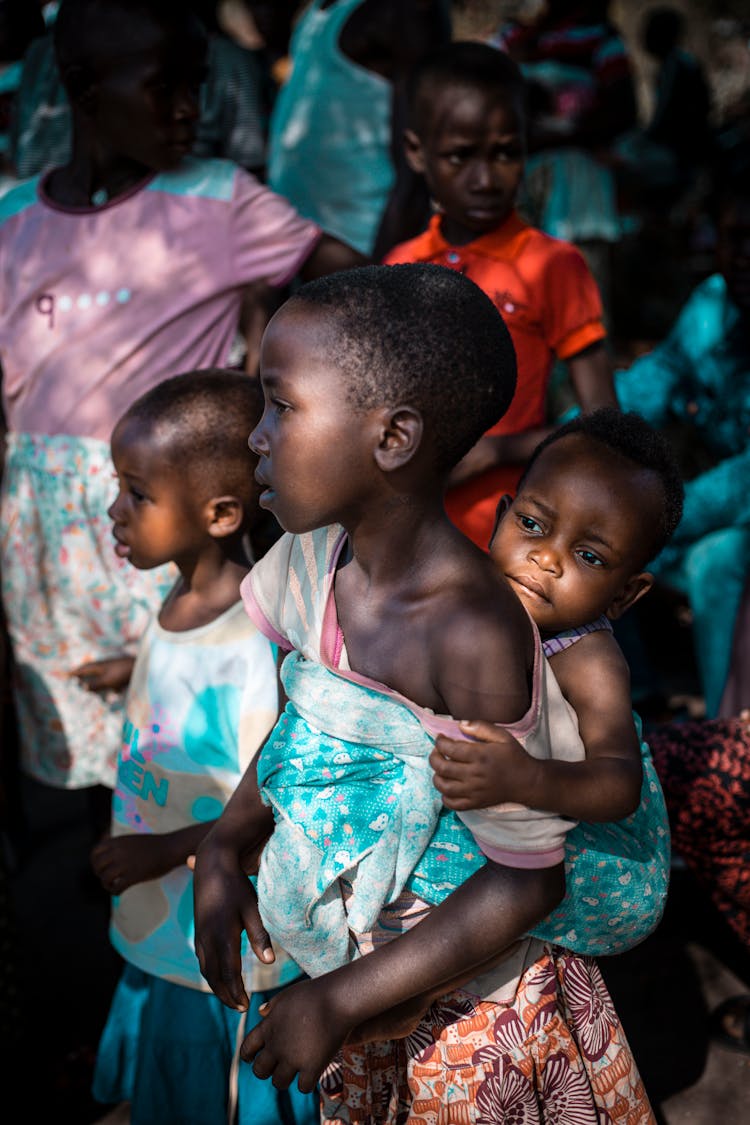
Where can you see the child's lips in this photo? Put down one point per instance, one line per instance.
(122, 550)
(267, 492)
(530, 586)
(486, 210)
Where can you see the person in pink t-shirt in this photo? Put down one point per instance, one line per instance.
(130, 263)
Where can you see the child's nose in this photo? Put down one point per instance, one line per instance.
(547, 558)
(113, 509)
(484, 175)
(257, 441)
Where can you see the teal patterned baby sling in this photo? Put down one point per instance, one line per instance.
(346, 772)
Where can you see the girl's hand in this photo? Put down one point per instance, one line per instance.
(489, 771)
(105, 675)
(225, 904)
(300, 1033)
(120, 862)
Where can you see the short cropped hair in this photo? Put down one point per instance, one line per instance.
(205, 418)
(629, 435)
(425, 336)
(468, 64)
(84, 28)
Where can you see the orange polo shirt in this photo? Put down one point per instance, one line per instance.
(550, 302)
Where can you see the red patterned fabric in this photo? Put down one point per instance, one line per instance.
(704, 769)
(556, 1054)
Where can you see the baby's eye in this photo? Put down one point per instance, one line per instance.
(137, 495)
(279, 407)
(529, 524)
(590, 558)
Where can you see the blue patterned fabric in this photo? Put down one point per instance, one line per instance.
(346, 772)
(616, 876)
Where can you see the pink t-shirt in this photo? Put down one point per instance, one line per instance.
(97, 306)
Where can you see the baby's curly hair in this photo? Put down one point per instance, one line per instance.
(420, 335)
(629, 435)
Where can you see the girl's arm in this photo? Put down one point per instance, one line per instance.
(225, 902)
(594, 677)
(105, 675)
(308, 1022)
(592, 378)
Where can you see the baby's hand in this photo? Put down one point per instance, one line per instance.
(120, 862)
(300, 1033)
(105, 675)
(489, 771)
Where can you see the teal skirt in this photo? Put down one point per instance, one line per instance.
(169, 1051)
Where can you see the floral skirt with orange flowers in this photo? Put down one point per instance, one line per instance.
(557, 1053)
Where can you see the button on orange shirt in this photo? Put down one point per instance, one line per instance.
(550, 302)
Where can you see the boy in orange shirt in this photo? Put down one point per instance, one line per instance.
(466, 118)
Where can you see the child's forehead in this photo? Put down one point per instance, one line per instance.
(319, 325)
(594, 479)
(459, 104)
(119, 43)
(577, 457)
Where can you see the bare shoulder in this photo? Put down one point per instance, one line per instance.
(593, 672)
(482, 649)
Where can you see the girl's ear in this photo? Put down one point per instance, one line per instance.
(413, 151)
(400, 437)
(632, 592)
(224, 516)
(503, 507)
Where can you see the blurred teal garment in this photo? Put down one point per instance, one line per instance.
(698, 379)
(169, 1051)
(330, 134)
(700, 376)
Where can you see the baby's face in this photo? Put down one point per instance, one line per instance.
(572, 541)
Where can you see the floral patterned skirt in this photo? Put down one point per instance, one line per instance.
(68, 599)
(557, 1053)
